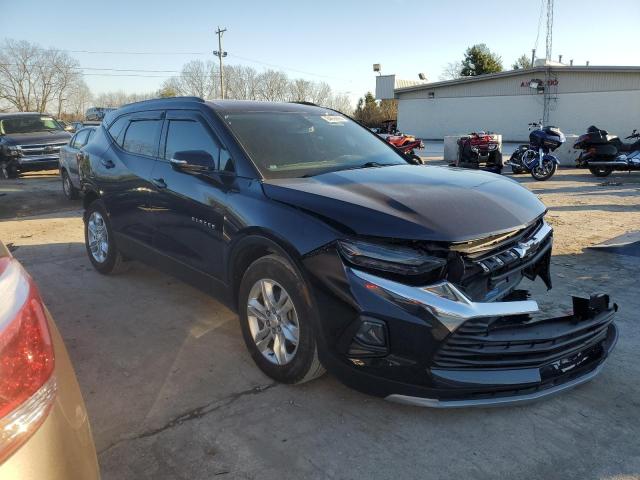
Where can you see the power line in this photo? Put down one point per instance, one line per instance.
(123, 52)
(134, 70)
(253, 60)
(274, 65)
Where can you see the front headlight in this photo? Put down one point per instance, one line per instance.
(475, 149)
(389, 258)
(12, 151)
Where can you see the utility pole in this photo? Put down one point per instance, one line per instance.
(220, 54)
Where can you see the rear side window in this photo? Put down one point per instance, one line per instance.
(117, 128)
(80, 139)
(142, 137)
(189, 135)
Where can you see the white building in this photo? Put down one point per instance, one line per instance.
(569, 97)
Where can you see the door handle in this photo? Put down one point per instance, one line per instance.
(107, 163)
(159, 182)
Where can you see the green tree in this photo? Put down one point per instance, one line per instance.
(167, 91)
(368, 111)
(523, 61)
(479, 60)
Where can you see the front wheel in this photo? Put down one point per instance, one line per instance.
(7, 171)
(601, 171)
(277, 321)
(544, 170)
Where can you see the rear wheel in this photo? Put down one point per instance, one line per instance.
(100, 242)
(514, 160)
(601, 171)
(68, 189)
(277, 321)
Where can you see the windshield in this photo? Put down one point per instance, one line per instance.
(302, 144)
(28, 124)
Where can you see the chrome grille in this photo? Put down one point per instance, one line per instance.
(41, 151)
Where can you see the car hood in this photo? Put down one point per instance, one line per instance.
(35, 138)
(412, 202)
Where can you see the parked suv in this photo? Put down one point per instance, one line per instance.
(29, 142)
(337, 253)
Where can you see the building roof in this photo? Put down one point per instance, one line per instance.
(512, 73)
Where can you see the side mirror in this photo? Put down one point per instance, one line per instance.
(194, 161)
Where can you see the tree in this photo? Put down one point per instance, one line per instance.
(368, 111)
(523, 61)
(479, 60)
(36, 79)
(451, 71)
(167, 91)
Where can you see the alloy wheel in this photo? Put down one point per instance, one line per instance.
(273, 321)
(98, 237)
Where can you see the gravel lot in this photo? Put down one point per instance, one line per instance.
(172, 392)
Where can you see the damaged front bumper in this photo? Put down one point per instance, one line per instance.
(476, 353)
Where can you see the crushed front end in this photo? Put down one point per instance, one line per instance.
(452, 328)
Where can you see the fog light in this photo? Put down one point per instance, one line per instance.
(373, 333)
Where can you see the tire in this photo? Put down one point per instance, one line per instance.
(543, 175)
(111, 261)
(601, 171)
(68, 189)
(8, 172)
(415, 159)
(295, 362)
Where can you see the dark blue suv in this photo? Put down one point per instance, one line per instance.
(337, 253)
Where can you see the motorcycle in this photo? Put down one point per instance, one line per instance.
(479, 150)
(602, 153)
(407, 144)
(536, 157)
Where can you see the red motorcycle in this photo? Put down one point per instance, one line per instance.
(480, 150)
(407, 144)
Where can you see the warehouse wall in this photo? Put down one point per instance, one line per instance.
(436, 118)
(618, 112)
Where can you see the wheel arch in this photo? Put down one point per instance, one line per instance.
(90, 195)
(253, 244)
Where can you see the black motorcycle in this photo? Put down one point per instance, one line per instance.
(536, 157)
(602, 152)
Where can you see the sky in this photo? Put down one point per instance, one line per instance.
(323, 40)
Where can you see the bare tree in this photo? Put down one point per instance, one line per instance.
(273, 86)
(451, 71)
(245, 83)
(36, 79)
(78, 101)
(300, 90)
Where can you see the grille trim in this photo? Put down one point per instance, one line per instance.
(481, 345)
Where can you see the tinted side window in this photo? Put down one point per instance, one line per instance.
(117, 128)
(189, 135)
(80, 139)
(142, 137)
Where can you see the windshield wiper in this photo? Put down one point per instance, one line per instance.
(355, 167)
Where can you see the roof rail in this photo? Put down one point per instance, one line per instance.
(165, 99)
